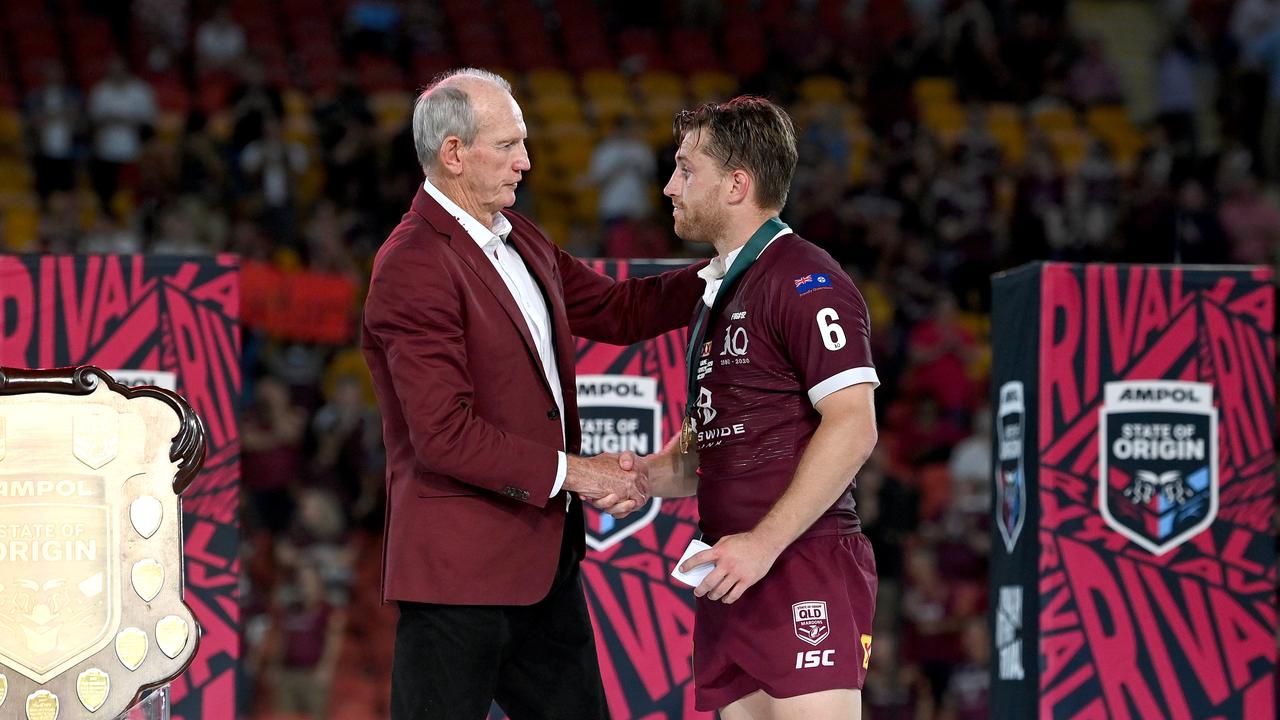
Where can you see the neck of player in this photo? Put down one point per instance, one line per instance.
(739, 229)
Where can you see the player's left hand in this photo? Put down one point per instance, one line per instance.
(741, 561)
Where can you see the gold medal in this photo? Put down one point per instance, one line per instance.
(4, 688)
(686, 435)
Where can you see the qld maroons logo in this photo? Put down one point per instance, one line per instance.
(1158, 461)
(810, 620)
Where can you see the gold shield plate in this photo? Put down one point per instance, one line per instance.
(92, 687)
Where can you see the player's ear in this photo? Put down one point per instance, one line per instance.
(740, 183)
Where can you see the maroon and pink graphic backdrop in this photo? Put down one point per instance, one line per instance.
(644, 619)
(1115, 630)
(177, 315)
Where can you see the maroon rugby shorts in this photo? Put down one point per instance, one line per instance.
(804, 628)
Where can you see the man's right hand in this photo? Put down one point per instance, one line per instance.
(603, 480)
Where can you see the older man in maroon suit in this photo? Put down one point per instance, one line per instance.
(468, 333)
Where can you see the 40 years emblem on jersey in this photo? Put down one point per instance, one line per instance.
(1158, 461)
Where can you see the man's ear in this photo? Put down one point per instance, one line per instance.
(740, 182)
(450, 155)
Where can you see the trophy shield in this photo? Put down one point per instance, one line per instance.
(92, 615)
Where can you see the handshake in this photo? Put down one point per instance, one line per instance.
(616, 484)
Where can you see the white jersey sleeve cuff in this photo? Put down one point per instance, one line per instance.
(842, 380)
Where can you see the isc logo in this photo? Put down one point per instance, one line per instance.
(814, 658)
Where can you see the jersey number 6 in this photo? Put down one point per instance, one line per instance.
(832, 333)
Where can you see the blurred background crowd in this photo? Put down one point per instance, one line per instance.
(941, 140)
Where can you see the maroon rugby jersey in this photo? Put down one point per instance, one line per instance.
(793, 330)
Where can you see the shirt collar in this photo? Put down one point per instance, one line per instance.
(715, 270)
(483, 236)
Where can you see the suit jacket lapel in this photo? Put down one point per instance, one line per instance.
(466, 248)
(561, 336)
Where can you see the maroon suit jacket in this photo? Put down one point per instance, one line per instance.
(470, 426)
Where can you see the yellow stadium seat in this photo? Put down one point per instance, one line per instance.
(391, 108)
(946, 121)
(296, 102)
(661, 84)
(605, 82)
(21, 227)
(15, 176)
(299, 129)
(549, 82)
(557, 109)
(1055, 119)
(1001, 116)
(822, 88)
(931, 90)
(1070, 147)
(708, 86)
(10, 129)
(1013, 142)
(586, 206)
(608, 108)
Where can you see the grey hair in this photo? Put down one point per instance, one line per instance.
(443, 109)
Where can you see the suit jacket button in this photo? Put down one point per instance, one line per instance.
(553, 414)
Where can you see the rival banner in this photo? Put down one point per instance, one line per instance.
(172, 322)
(1133, 555)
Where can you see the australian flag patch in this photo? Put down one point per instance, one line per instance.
(806, 284)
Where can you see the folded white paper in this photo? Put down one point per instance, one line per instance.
(694, 577)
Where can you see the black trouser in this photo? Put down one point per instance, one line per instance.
(538, 661)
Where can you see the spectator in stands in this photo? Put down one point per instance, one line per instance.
(254, 101)
(121, 106)
(271, 166)
(1264, 51)
(970, 466)
(1093, 80)
(1178, 93)
(934, 613)
(940, 349)
(220, 42)
(271, 457)
(968, 692)
(311, 637)
(622, 170)
(55, 113)
(161, 28)
(971, 50)
(59, 228)
(345, 430)
(1252, 223)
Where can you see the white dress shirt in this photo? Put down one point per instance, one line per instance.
(713, 274)
(524, 289)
